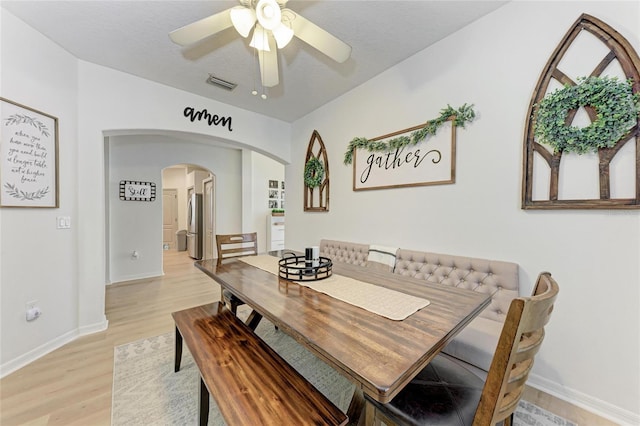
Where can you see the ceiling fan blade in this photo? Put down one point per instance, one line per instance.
(243, 19)
(269, 64)
(198, 30)
(320, 39)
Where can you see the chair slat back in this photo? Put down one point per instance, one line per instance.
(236, 245)
(520, 340)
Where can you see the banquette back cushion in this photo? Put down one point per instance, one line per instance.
(345, 252)
(476, 343)
(497, 278)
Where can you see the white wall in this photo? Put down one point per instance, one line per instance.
(38, 260)
(66, 270)
(591, 353)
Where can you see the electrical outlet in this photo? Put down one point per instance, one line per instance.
(33, 311)
(33, 314)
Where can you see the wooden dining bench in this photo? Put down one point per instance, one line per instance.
(250, 382)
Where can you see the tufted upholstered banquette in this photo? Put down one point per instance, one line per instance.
(476, 343)
(500, 279)
(340, 251)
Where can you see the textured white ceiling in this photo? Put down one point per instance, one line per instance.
(132, 36)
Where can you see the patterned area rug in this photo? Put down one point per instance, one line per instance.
(146, 391)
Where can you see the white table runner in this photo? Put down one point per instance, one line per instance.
(379, 300)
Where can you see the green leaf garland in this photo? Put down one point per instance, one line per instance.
(461, 117)
(616, 107)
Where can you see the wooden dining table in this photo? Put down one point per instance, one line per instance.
(378, 354)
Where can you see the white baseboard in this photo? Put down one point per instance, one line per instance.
(586, 402)
(94, 328)
(127, 278)
(596, 406)
(42, 350)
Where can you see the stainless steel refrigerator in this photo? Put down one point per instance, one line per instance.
(194, 226)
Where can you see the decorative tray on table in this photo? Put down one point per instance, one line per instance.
(298, 268)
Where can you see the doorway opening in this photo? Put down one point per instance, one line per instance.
(188, 206)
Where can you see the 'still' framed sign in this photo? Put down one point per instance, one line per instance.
(131, 190)
(430, 162)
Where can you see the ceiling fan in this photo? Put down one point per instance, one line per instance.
(273, 27)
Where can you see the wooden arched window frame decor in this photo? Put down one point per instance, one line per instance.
(618, 49)
(316, 176)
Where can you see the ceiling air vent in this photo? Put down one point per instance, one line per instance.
(215, 81)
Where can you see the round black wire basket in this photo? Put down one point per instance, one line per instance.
(297, 268)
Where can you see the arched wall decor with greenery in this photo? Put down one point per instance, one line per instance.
(612, 106)
(316, 176)
(616, 109)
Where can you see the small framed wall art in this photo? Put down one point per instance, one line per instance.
(276, 197)
(131, 190)
(28, 157)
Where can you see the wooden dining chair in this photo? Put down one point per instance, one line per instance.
(447, 393)
(235, 245)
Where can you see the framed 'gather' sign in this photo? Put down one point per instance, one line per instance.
(28, 157)
(430, 162)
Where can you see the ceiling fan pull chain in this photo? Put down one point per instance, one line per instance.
(264, 95)
(254, 92)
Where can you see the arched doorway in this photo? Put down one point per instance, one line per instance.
(239, 196)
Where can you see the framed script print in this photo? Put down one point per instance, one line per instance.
(430, 162)
(28, 157)
(132, 190)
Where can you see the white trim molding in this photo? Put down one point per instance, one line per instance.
(596, 406)
(42, 350)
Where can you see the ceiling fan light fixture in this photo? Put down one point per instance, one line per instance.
(268, 14)
(273, 27)
(282, 34)
(260, 40)
(243, 19)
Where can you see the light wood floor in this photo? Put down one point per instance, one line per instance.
(72, 385)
